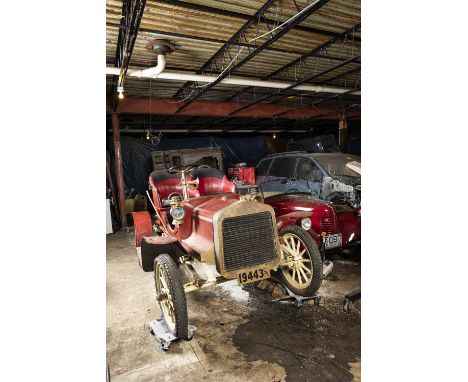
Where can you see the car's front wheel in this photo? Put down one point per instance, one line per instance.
(171, 296)
(301, 263)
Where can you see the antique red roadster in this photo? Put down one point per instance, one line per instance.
(203, 233)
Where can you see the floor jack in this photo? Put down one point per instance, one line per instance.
(163, 335)
(299, 300)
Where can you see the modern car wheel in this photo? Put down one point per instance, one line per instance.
(301, 263)
(171, 296)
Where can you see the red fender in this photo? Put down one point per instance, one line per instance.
(294, 218)
(143, 226)
(291, 218)
(153, 246)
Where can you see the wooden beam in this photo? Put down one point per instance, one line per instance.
(119, 169)
(161, 106)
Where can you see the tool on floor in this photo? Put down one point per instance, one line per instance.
(163, 335)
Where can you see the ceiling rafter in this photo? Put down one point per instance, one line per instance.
(281, 93)
(214, 40)
(314, 104)
(306, 13)
(223, 12)
(224, 51)
(292, 104)
(301, 59)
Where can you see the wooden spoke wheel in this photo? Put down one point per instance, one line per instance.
(301, 264)
(171, 296)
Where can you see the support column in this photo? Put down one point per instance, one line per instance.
(119, 170)
(343, 135)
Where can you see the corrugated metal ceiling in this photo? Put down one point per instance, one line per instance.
(199, 33)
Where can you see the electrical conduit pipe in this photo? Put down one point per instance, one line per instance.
(156, 72)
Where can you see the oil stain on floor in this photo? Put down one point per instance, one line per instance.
(312, 343)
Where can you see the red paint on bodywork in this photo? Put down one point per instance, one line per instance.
(196, 234)
(160, 239)
(349, 225)
(208, 185)
(143, 226)
(287, 206)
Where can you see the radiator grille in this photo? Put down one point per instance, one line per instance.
(248, 240)
(327, 224)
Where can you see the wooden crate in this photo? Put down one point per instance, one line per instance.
(210, 156)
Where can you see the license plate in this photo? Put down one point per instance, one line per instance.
(252, 276)
(332, 241)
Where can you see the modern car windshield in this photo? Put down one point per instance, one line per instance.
(335, 165)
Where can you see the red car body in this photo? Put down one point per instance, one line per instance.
(326, 217)
(196, 235)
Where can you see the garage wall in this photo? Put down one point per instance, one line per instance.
(136, 154)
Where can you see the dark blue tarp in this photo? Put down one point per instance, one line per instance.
(354, 143)
(137, 163)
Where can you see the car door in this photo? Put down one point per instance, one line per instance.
(308, 170)
(261, 171)
(279, 174)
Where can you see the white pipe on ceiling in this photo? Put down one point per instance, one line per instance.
(150, 72)
(153, 73)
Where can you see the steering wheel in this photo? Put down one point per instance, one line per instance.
(182, 169)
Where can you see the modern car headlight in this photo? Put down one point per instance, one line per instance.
(306, 223)
(177, 212)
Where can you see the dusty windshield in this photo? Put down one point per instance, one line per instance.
(280, 186)
(335, 165)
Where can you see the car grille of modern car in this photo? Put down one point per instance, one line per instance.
(328, 225)
(248, 240)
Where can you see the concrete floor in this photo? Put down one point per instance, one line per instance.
(242, 334)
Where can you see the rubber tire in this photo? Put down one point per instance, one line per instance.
(177, 292)
(315, 256)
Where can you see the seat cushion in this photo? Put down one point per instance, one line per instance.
(165, 184)
(212, 181)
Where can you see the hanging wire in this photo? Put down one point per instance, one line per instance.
(254, 39)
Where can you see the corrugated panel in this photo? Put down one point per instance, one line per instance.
(336, 16)
(203, 24)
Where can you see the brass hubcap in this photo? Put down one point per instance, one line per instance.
(296, 264)
(163, 296)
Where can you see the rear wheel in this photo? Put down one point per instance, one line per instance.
(301, 263)
(171, 296)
